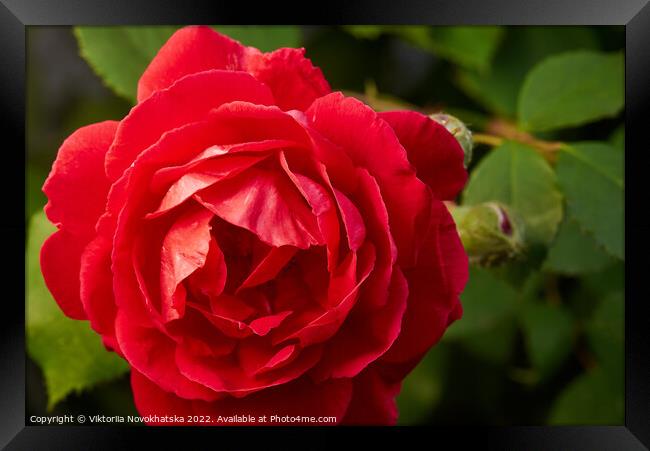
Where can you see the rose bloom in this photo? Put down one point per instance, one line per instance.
(252, 243)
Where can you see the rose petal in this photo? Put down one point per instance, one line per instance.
(225, 154)
(208, 174)
(224, 322)
(257, 357)
(186, 101)
(129, 199)
(434, 286)
(184, 250)
(227, 375)
(267, 204)
(96, 279)
(378, 150)
(367, 197)
(365, 335)
(295, 82)
(302, 286)
(200, 336)
(322, 206)
(435, 153)
(152, 353)
(341, 297)
(137, 282)
(354, 226)
(300, 398)
(60, 264)
(152, 401)
(77, 187)
(263, 325)
(210, 280)
(231, 306)
(188, 51)
(373, 400)
(269, 267)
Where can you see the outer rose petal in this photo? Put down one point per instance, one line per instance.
(190, 50)
(435, 153)
(300, 398)
(373, 400)
(97, 289)
(60, 256)
(150, 399)
(152, 352)
(434, 286)
(76, 189)
(295, 82)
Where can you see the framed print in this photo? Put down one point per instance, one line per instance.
(416, 220)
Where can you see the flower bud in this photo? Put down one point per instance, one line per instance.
(491, 232)
(460, 131)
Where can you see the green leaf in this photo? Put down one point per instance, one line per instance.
(523, 47)
(487, 328)
(547, 335)
(589, 399)
(518, 176)
(605, 333)
(617, 138)
(119, 55)
(70, 354)
(494, 345)
(486, 301)
(591, 176)
(572, 89)
(422, 389)
(604, 282)
(575, 252)
(472, 47)
(588, 291)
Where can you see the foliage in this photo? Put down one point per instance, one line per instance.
(557, 93)
(517, 175)
(541, 338)
(591, 175)
(107, 48)
(70, 354)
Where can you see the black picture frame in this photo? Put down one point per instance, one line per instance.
(16, 15)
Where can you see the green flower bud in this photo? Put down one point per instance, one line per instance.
(460, 132)
(491, 232)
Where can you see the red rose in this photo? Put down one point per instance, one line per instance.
(253, 244)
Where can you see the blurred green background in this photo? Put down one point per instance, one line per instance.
(541, 341)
